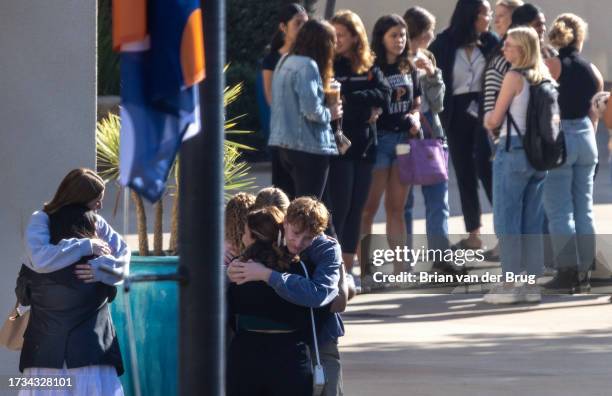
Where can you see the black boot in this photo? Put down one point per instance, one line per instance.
(563, 283)
(448, 268)
(583, 283)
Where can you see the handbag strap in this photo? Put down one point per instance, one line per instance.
(312, 321)
(427, 125)
(510, 122)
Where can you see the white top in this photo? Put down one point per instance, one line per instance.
(468, 71)
(518, 109)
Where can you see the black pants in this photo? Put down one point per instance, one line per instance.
(308, 172)
(262, 364)
(347, 191)
(470, 153)
(280, 177)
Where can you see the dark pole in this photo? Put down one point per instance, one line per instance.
(202, 305)
(330, 7)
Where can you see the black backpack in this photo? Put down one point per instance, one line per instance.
(543, 141)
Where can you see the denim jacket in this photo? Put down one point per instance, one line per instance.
(299, 119)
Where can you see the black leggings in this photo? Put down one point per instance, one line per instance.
(261, 364)
(308, 172)
(470, 153)
(347, 191)
(280, 177)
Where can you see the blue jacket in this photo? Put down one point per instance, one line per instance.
(299, 119)
(323, 259)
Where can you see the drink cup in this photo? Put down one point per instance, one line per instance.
(332, 94)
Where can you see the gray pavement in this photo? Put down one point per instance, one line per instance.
(418, 345)
(423, 344)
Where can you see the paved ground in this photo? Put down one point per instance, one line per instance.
(423, 344)
(418, 345)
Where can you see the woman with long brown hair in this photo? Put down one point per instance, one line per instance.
(365, 92)
(291, 17)
(70, 331)
(80, 186)
(399, 120)
(269, 354)
(300, 122)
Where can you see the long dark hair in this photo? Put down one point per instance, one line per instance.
(72, 221)
(381, 27)
(266, 227)
(463, 22)
(317, 40)
(284, 16)
(79, 186)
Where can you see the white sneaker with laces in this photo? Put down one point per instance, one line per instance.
(532, 293)
(503, 294)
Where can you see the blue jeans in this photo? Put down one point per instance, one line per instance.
(568, 198)
(436, 214)
(518, 212)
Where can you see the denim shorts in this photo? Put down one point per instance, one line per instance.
(385, 150)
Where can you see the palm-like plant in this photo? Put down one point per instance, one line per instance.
(235, 174)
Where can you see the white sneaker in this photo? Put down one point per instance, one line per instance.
(502, 294)
(357, 281)
(532, 293)
(352, 289)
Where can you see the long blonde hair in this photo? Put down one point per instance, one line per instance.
(361, 55)
(531, 61)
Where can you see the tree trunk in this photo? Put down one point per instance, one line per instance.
(158, 229)
(141, 220)
(174, 227)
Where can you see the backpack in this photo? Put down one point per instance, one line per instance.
(543, 141)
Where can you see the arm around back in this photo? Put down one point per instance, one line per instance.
(45, 257)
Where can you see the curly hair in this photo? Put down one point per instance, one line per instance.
(381, 27)
(308, 214)
(568, 30)
(317, 40)
(236, 212)
(361, 56)
(266, 227)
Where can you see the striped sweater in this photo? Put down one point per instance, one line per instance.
(493, 78)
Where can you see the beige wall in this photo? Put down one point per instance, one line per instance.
(47, 117)
(598, 13)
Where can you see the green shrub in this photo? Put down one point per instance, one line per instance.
(250, 26)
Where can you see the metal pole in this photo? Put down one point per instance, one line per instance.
(202, 305)
(330, 7)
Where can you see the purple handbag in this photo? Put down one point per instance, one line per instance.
(426, 163)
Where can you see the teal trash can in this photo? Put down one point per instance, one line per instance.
(154, 321)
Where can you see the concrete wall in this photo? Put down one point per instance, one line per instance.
(596, 12)
(47, 117)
